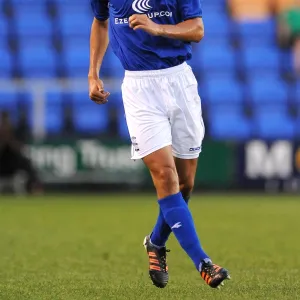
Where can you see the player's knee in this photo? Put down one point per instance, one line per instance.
(186, 186)
(167, 177)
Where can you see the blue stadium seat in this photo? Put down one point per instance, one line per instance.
(210, 7)
(205, 45)
(80, 98)
(71, 42)
(76, 60)
(215, 58)
(217, 24)
(274, 123)
(224, 91)
(229, 124)
(111, 66)
(227, 74)
(26, 104)
(26, 98)
(78, 24)
(123, 129)
(286, 60)
(202, 91)
(32, 24)
(35, 42)
(257, 75)
(16, 3)
(37, 62)
(8, 101)
(256, 33)
(67, 2)
(269, 90)
(90, 120)
(264, 29)
(3, 28)
(53, 112)
(6, 65)
(64, 8)
(213, 5)
(211, 42)
(39, 8)
(261, 59)
(76, 41)
(89, 117)
(115, 98)
(255, 41)
(106, 67)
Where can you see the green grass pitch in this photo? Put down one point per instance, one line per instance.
(90, 247)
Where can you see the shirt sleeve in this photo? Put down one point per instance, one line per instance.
(190, 9)
(100, 9)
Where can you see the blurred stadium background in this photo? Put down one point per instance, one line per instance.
(247, 68)
(247, 71)
(67, 246)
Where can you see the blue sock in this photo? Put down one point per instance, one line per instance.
(162, 230)
(177, 215)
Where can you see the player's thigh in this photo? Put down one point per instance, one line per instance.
(186, 169)
(163, 171)
(147, 121)
(187, 124)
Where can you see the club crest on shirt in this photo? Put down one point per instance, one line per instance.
(141, 6)
(144, 7)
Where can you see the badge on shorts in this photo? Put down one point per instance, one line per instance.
(134, 144)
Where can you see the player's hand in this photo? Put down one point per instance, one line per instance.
(96, 91)
(143, 22)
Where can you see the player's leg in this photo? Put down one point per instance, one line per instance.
(163, 172)
(165, 179)
(147, 107)
(186, 170)
(150, 130)
(187, 135)
(174, 209)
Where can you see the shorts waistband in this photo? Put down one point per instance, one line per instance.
(156, 73)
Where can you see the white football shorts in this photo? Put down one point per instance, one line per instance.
(162, 107)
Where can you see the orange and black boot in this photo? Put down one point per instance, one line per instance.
(213, 275)
(158, 269)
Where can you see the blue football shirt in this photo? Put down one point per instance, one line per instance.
(138, 50)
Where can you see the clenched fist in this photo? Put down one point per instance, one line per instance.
(96, 91)
(143, 22)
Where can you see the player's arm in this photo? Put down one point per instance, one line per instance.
(98, 46)
(191, 30)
